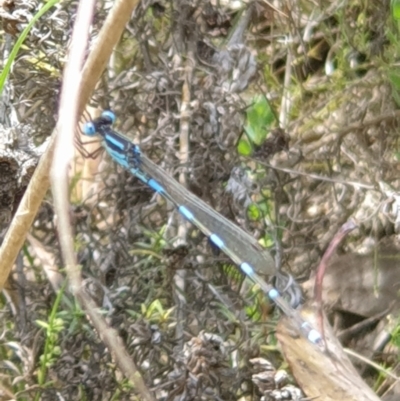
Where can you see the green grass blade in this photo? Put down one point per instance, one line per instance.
(18, 44)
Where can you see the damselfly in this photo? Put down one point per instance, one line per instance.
(238, 245)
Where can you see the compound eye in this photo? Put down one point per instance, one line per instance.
(89, 129)
(109, 116)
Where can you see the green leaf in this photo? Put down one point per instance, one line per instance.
(42, 324)
(58, 325)
(259, 118)
(395, 6)
(253, 212)
(155, 309)
(244, 147)
(394, 77)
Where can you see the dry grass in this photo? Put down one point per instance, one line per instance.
(176, 70)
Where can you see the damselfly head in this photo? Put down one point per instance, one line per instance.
(94, 127)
